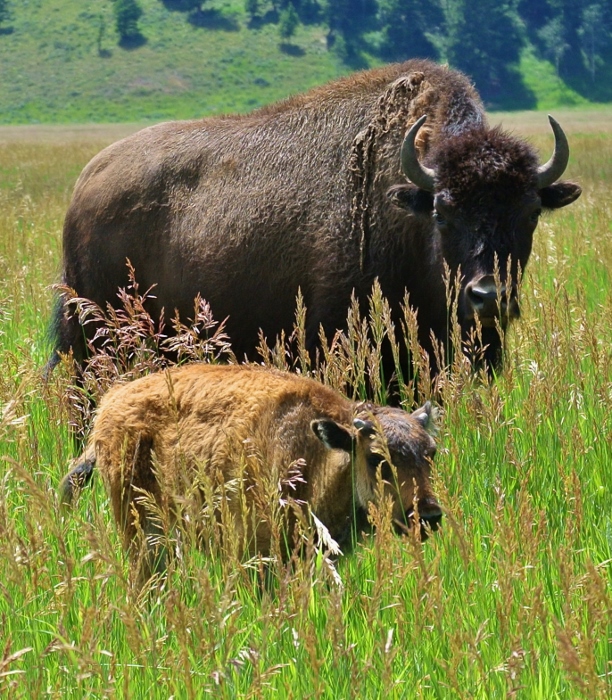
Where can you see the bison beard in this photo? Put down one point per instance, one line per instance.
(312, 194)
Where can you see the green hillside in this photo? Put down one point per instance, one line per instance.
(62, 61)
(53, 70)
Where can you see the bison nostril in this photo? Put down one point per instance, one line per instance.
(489, 300)
(430, 514)
(481, 295)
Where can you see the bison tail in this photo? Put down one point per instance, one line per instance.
(53, 336)
(77, 479)
(65, 334)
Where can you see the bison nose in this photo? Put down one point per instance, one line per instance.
(488, 301)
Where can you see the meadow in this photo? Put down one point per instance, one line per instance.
(511, 598)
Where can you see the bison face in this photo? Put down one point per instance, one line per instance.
(487, 245)
(397, 447)
(482, 199)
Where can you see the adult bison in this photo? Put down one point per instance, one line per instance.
(312, 193)
(253, 436)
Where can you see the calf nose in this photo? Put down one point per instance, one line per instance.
(430, 517)
(430, 514)
(430, 522)
(485, 299)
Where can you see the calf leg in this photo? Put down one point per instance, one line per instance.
(139, 510)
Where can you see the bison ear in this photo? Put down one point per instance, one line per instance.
(411, 198)
(428, 416)
(560, 194)
(332, 435)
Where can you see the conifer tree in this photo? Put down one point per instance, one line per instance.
(403, 28)
(484, 39)
(553, 38)
(594, 33)
(127, 14)
(252, 8)
(347, 20)
(288, 22)
(5, 13)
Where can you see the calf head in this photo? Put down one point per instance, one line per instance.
(398, 447)
(482, 196)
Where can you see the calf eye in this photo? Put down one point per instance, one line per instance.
(440, 220)
(374, 460)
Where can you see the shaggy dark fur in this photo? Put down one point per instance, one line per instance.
(481, 164)
(307, 194)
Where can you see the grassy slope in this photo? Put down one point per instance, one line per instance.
(541, 79)
(52, 70)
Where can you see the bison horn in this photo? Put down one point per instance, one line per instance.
(417, 173)
(550, 172)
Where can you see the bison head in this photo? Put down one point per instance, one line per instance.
(483, 193)
(397, 446)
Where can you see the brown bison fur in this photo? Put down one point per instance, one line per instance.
(160, 434)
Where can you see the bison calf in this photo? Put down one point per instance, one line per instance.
(161, 441)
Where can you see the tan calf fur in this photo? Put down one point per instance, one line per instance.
(246, 424)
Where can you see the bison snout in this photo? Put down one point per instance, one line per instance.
(488, 301)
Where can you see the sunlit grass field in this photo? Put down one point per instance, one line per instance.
(511, 598)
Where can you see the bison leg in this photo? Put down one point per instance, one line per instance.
(149, 553)
(144, 538)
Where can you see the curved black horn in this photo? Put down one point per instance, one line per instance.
(422, 176)
(552, 170)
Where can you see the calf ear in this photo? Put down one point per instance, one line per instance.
(560, 194)
(428, 416)
(411, 198)
(333, 435)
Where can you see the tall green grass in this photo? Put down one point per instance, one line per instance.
(511, 598)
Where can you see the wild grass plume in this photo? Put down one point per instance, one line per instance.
(512, 597)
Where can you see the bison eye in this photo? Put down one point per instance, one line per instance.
(534, 216)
